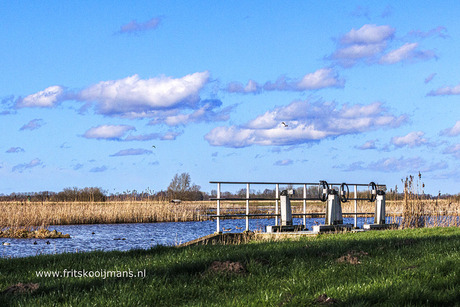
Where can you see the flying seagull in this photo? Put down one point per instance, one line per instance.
(284, 124)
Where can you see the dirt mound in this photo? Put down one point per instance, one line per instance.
(352, 257)
(227, 267)
(323, 299)
(41, 233)
(22, 288)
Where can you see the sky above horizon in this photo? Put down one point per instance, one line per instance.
(124, 95)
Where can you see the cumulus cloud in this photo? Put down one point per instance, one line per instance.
(412, 139)
(33, 124)
(370, 42)
(368, 34)
(362, 43)
(406, 52)
(454, 131)
(445, 91)
(136, 97)
(132, 152)
(136, 27)
(322, 78)
(167, 100)
(108, 132)
(368, 145)
(15, 150)
(306, 122)
(22, 167)
(207, 111)
(44, 99)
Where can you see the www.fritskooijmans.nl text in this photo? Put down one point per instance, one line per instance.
(91, 274)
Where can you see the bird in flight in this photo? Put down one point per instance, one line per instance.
(153, 146)
(284, 124)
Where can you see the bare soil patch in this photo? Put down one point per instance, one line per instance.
(21, 288)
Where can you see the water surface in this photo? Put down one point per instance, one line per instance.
(124, 237)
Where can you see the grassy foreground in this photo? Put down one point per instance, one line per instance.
(394, 267)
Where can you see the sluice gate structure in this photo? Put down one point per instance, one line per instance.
(332, 195)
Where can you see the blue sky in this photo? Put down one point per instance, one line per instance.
(124, 95)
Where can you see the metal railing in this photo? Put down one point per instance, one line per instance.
(323, 188)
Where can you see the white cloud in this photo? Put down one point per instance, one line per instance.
(283, 162)
(108, 132)
(399, 54)
(205, 113)
(447, 90)
(368, 145)
(412, 139)
(252, 87)
(454, 131)
(22, 167)
(363, 43)
(15, 150)
(170, 135)
(306, 122)
(134, 26)
(33, 124)
(368, 34)
(135, 97)
(406, 52)
(45, 99)
(369, 42)
(322, 78)
(132, 152)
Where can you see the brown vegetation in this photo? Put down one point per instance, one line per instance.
(412, 211)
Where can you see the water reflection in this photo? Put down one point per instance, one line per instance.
(124, 237)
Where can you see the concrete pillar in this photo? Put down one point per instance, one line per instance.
(286, 212)
(379, 216)
(333, 209)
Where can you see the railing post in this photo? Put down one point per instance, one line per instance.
(356, 206)
(218, 207)
(304, 205)
(277, 195)
(247, 207)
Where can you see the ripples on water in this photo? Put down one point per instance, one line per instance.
(124, 237)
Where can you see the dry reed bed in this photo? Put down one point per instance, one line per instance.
(66, 213)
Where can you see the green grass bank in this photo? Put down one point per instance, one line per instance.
(393, 267)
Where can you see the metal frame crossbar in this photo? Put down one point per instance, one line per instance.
(322, 184)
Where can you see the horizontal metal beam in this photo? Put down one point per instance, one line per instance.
(292, 183)
(260, 198)
(272, 215)
(242, 215)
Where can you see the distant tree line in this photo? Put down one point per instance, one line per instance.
(181, 187)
